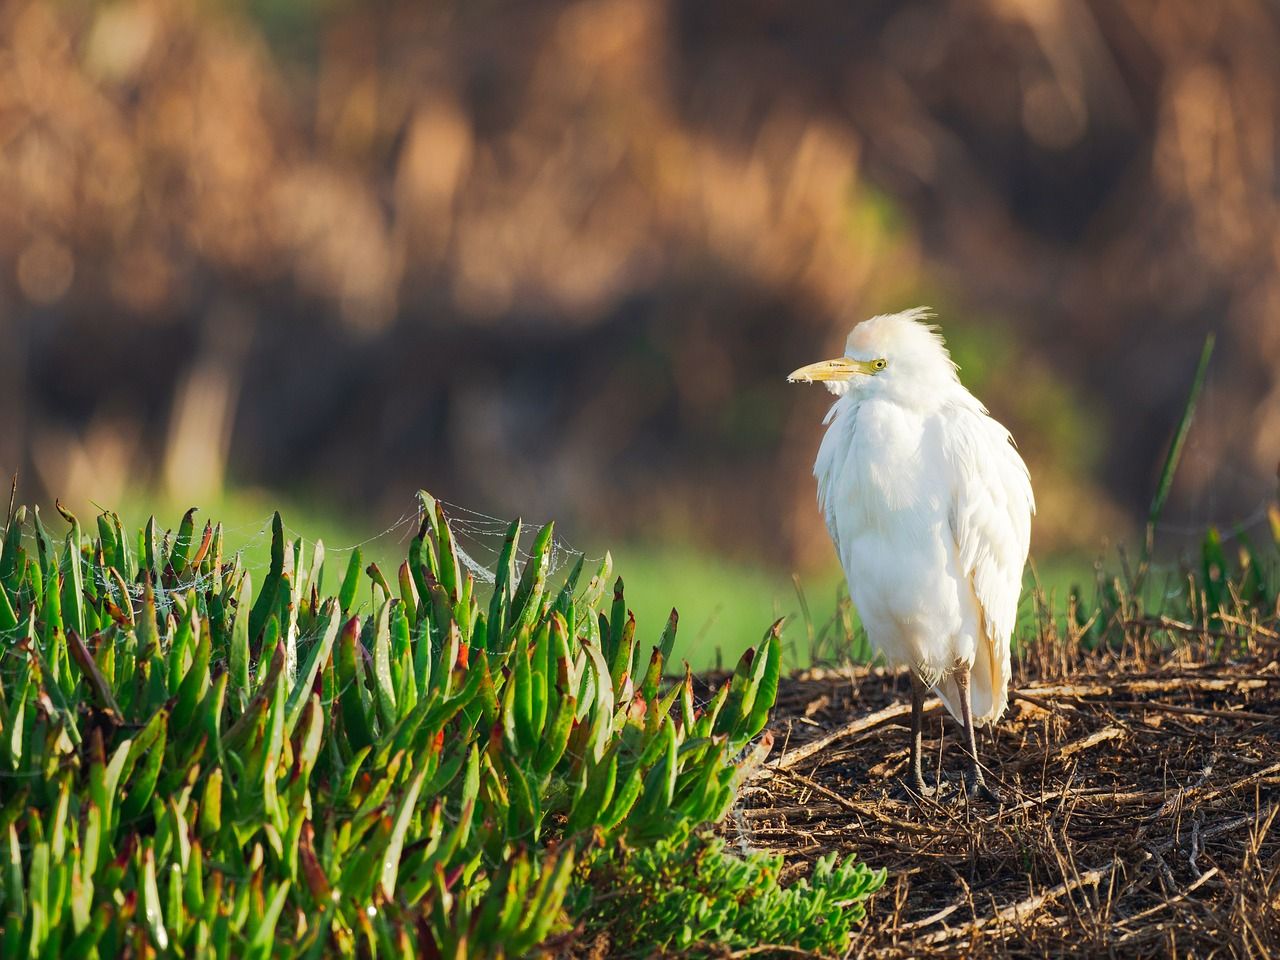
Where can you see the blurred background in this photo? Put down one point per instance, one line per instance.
(555, 259)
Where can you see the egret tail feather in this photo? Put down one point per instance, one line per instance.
(949, 694)
(989, 681)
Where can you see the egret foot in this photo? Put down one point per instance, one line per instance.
(910, 789)
(979, 789)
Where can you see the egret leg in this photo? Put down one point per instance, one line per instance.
(978, 787)
(917, 735)
(913, 785)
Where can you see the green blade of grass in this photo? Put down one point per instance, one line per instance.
(1175, 448)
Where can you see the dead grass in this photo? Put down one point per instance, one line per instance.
(1141, 790)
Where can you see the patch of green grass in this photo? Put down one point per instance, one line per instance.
(722, 604)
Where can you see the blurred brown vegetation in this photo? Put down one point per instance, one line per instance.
(556, 258)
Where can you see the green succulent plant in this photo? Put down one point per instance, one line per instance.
(698, 896)
(196, 761)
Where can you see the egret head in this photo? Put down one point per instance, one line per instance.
(899, 353)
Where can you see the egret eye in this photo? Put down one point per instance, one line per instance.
(879, 365)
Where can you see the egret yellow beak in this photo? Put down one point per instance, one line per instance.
(841, 368)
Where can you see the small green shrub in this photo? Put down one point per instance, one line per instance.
(691, 893)
(190, 766)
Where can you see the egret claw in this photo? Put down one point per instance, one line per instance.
(979, 790)
(910, 790)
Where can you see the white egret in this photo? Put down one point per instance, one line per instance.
(929, 505)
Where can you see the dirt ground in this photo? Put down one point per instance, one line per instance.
(1140, 799)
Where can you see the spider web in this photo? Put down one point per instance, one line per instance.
(478, 541)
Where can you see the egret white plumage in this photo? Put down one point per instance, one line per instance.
(929, 505)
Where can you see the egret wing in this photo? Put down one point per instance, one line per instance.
(990, 519)
(833, 455)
